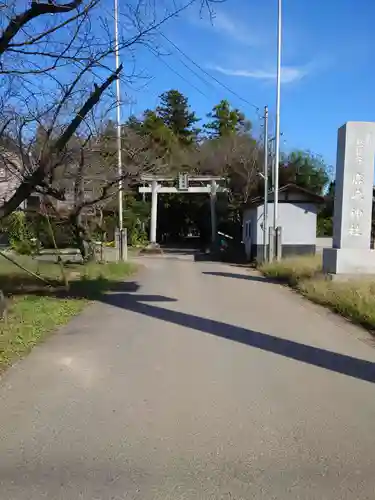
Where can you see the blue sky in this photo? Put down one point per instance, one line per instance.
(328, 65)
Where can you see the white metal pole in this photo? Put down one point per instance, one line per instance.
(119, 157)
(277, 131)
(213, 211)
(265, 206)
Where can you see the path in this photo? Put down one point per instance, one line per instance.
(195, 381)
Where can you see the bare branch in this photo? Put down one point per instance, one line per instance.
(37, 178)
(40, 36)
(56, 66)
(36, 10)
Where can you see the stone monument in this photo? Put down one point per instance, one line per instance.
(351, 254)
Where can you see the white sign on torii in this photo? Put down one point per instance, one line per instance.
(155, 188)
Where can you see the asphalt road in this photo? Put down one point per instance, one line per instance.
(194, 381)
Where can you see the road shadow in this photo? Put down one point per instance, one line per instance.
(218, 257)
(328, 360)
(125, 295)
(179, 251)
(207, 257)
(246, 277)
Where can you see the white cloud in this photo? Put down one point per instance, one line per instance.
(289, 74)
(234, 29)
(229, 27)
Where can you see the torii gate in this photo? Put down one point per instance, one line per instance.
(155, 187)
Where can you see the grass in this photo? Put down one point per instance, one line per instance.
(294, 269)
(353, 299)
(36, 309)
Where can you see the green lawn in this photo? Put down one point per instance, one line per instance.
(35, 309)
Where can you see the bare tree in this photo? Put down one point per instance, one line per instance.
(244, 167)
(87, 180)
(56, 76)
(236, 157)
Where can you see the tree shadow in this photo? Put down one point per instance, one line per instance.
(206, 257)
(125, 295)
(23, 284)
(179, 251)
(261, 279)
(95, 289)
(85, 287)
(232, 260)
(15, 281)
(315, 356)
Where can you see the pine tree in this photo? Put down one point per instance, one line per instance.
(226, 120)
(175, 112)
(160, 135)
(134, 123)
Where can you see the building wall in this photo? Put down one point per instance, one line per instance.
(249, 230)
(298, 222)
(323, 242)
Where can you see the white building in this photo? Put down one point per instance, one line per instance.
(297, 216)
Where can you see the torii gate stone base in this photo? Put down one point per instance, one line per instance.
(351, 255)
(155, 188)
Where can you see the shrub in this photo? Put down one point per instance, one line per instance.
(324, 226)
(16, 226)
(137, 237)
(20, 233)
(24, 247)
(62, 230)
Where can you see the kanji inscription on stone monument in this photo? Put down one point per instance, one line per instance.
(353, 200)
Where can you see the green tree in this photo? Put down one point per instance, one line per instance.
(161, 136)
(136, 215)
(174, 111)
(331, 189)
(134, 123)
(226, 120)
(306, 170)
(161, 139)
(325, 215)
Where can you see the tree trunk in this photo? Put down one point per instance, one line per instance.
(80, 237)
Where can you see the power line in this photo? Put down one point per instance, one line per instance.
(186, 80)
(200, 77)
(209, 74)
(180, 76)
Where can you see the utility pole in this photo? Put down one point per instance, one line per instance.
(277, 128)
(119, 156)
(213, 196)
(271, 156)
(265, 178)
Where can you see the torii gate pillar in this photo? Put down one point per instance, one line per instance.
(154, 212)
